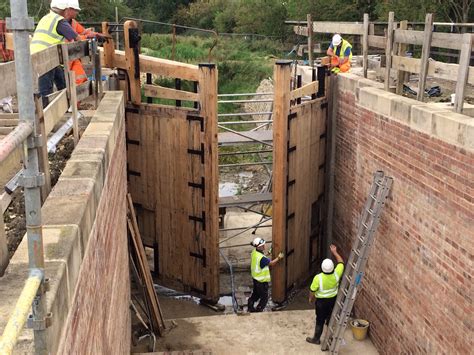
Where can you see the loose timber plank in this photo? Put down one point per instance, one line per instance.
(229, 138)
(377, 41)
(464, 59)
(401, 52)
(157, 316)
(365, 45)
(439, 40)
(168, 93)
(306, 90)
(282, 75)
(12, 122)
(425, 55)
(247, 199)
(42, 62)
(55, 111)
(388, 50)
(6, 130)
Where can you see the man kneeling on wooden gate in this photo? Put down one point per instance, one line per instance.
(260, 274)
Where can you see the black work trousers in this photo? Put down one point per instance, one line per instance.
(260, 292)
(323, 308)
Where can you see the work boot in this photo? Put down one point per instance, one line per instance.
(318, 330)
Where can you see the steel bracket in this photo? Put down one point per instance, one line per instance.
(39, 324)
(31, 181)
(20, 23)
(34, 141)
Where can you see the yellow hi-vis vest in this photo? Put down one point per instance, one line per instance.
(261, 275)
(344, 46)
(326, 285)
(45, 33)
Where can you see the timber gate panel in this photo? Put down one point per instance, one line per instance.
(172, 172)
(298, 194)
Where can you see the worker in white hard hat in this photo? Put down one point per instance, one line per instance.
(324, 289)
(340, 52)
(53, 29)
(259, 267)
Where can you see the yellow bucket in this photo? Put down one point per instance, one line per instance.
(359, 328)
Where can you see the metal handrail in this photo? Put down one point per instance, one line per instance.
(22, 308)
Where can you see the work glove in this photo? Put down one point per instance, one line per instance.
(281, 255)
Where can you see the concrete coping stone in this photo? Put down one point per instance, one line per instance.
(435, 120)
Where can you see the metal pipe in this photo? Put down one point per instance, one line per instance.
(235, 304)
(246, 229)
(244, 122)
(21, 25)
(19, 315)
(246, 94)
(243, 101)
(261, 126)
(241, 245)
(241, 228)
(14, 139)
(243, 114)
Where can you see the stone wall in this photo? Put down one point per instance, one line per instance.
(85, 244)
(417, 290)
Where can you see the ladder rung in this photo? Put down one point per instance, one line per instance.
(356, 252)
(344, 292)
(348, 278)
(361, 239)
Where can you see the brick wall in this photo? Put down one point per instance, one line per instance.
(417, 290)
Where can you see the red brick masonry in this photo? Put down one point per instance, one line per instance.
(418, 290)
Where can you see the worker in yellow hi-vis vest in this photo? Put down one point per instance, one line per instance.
(324, 288)
(340, 52)
(53, 29)
(260, 274)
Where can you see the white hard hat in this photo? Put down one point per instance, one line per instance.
(327, 266)
(258, 242)
(60, 4)
(336, 40)
(74, 4)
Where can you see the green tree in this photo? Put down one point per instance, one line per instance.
(265, 17)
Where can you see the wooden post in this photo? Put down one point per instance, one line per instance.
(282, 76)
(402, 47)
(425, 55)
(75, 119)
(463, 71)
(4, 258)
(365, 45)
(64, 54)
(388, 50)
(208, 110)
(310, 40)
(109, 47)
(130, 51)
(43, 161)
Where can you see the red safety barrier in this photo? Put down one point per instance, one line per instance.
(6, 55)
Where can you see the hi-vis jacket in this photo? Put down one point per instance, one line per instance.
(326, 285)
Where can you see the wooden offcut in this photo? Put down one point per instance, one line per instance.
(388, 50)
(138, 251)
(425, 54)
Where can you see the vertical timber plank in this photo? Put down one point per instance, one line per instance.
(282, 76)
(463, 71)
(43, 150)
(75, 118)
(402, 47)
(425, 54)
(310, 40)
(365, 45)
(135, 87)
(208, 100)
(109, 47)
(4, 259)
(388, 50)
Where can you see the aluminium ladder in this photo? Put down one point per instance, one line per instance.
(357, 260)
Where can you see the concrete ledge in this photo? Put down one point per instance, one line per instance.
(454, 128)
(68, 219)
(376, 100)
